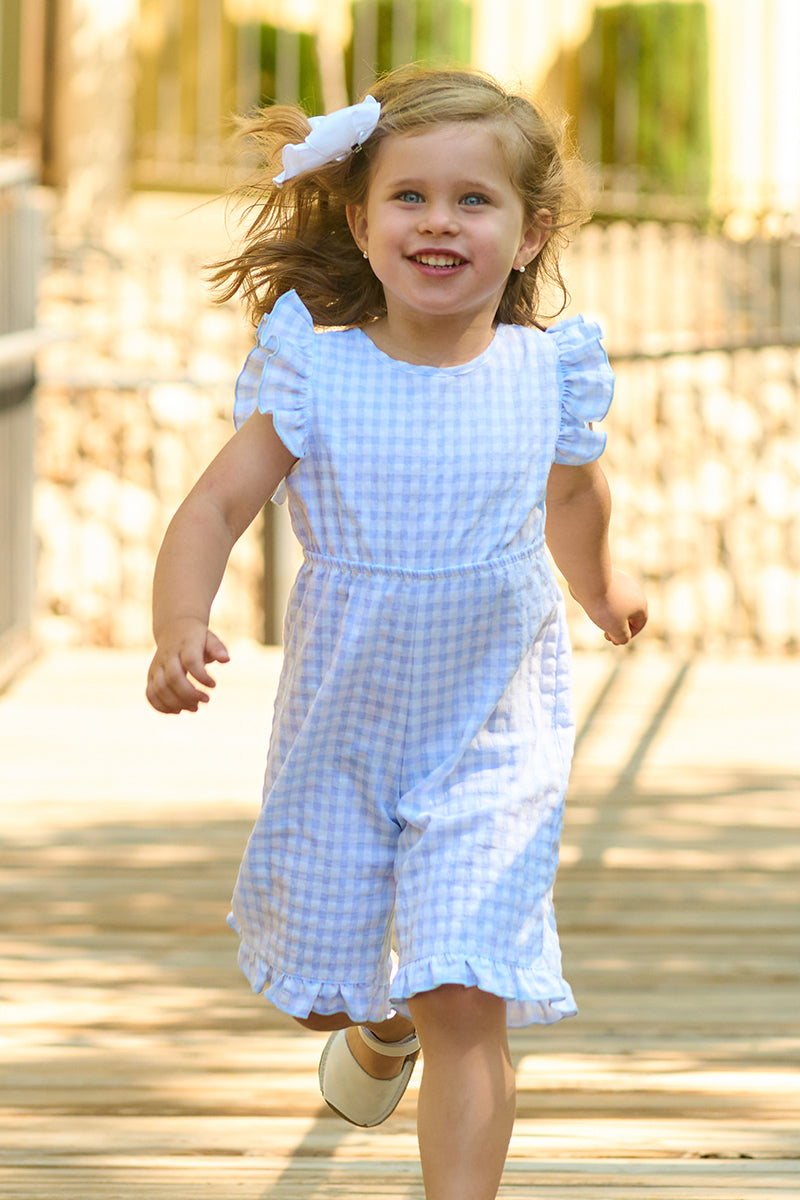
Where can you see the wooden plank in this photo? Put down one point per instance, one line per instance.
(207, 1178)
(548, 1135)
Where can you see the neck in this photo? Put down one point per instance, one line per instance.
(432, 342)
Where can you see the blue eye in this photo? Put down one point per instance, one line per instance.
(474, 199)
(409, 197)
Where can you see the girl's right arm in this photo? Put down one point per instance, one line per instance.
(194, 554)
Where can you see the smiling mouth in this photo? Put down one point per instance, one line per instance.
(440, 262)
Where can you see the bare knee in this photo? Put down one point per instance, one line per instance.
(465, 1013)
(324, 1022)
(452, 1001)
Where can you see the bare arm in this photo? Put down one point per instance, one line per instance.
(194, 554)
(578, 514)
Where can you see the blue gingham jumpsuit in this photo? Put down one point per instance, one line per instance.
(422, 732)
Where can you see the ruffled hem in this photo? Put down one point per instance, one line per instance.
(297, 996)
(587, 388)
(276, 375)
(533, 995)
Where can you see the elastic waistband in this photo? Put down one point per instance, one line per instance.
(488, 565)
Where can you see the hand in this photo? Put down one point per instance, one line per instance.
(621, 612)
(184, 649)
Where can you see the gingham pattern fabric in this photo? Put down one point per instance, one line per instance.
(422, 733)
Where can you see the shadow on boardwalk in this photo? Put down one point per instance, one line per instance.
(137, 1062)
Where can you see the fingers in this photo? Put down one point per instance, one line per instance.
(626, 610)
(618, 638)
(215, 650)
(638, 622)
(175, 671)
(165, 698)
(170, 690)
(624, 633)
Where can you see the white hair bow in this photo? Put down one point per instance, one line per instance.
(332, 139)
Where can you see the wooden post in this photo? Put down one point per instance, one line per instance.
(20, 257)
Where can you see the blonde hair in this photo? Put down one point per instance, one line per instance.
(298, 235)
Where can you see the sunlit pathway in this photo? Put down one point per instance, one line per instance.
(137, 1064)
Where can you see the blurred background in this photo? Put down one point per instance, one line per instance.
(117, 372)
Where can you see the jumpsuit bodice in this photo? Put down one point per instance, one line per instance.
(422, 468)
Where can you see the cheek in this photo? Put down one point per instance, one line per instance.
(387, 230)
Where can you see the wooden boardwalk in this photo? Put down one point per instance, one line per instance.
(137, 1064)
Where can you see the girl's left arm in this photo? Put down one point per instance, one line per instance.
(578, 514)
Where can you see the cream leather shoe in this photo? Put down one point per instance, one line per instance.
(353, 1093)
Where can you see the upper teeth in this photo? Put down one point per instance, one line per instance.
(437, 260)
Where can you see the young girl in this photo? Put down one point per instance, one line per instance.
(422, 733)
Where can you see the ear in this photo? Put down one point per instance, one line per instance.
(357, 220)
(534, 238)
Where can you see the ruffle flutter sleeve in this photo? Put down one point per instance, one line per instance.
(587, 386)
(276, 375)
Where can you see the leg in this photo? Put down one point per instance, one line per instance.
(467, 1095)
(393, 1030)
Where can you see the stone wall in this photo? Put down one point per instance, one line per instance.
(113, 467)
(703, 457)
(134, 399)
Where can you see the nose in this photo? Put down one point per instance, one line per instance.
(438, 219)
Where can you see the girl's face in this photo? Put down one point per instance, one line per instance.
(443, 225)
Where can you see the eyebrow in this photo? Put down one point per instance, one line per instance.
(463, 185)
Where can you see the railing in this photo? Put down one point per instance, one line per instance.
(669, 287)
(199, 64)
